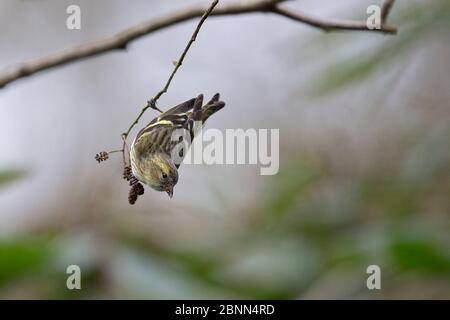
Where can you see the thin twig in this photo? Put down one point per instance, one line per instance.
(121, 40)
(125, 148)
(183, 55)
(385, 10)
(115, 151)
(152, 102)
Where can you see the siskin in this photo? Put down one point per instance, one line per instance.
(151, 153)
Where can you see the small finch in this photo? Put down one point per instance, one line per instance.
(151, 153)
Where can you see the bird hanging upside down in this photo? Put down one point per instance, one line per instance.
(152, 157)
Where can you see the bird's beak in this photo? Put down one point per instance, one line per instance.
(169, 191)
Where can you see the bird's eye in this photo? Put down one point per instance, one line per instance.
(164, 176)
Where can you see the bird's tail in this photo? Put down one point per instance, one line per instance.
(212, 107)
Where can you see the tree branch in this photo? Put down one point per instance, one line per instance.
(332, 24)
(121, 40)
(385, 10)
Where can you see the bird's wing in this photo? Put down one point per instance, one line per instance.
(155, 138)
(157, 135)
(175, 121)
(181, 108)
(177, 117)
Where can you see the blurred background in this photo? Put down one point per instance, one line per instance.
(364, 177)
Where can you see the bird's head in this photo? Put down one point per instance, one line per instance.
(157, 171)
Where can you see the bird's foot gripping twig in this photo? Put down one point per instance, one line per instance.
(152, 104)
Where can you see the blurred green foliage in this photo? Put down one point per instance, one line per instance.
(18, 258)
(8, 176)
(420, 255)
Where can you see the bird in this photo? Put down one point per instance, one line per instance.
(151, 153)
